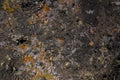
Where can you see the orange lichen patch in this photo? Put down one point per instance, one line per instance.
(40, 57)
(27, 58)
(91, 43)
(5, 6)
(23, 46)
(45, 8)
(38, 14)
(60, 40)
(10, 10)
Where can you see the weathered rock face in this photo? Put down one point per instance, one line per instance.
(59, 40)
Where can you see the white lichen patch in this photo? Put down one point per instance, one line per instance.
(89, 11)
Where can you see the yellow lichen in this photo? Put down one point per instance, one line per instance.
(103, 49)
(91, 43)
(7, 7)
(27, 58)
(48, 76)
(38, 75)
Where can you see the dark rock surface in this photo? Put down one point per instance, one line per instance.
(59, 40)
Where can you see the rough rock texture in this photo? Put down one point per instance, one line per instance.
(59, 40)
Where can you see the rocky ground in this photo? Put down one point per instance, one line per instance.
(59, 40)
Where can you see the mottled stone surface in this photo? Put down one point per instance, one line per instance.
(59, 40)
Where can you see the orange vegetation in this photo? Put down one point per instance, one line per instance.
(23, 46)
(27, 58)
(91, 43)
(45, 8)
